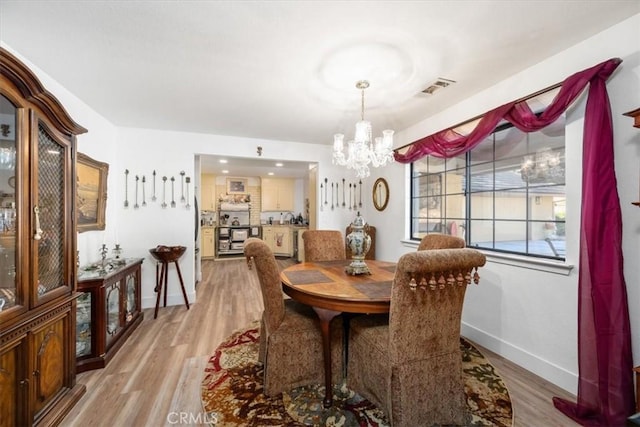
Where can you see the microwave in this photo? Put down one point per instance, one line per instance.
(239, 233)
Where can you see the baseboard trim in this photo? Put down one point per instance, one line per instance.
(175, 299)
(555, 374)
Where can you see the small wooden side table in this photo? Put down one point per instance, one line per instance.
(164, 255)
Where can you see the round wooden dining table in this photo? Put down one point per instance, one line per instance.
(330, 291)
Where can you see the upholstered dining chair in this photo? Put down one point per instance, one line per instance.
(290, 339)
(440, 241)
(410, 363)
(323, 245)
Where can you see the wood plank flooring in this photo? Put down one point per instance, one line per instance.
(154, 380)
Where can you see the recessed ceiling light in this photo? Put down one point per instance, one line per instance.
(270, 173)
(279, 165)
(225, 171)
(223, 161)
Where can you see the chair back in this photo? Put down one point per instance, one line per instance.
(440, 241)
(426, 302)
(323, 245)
(269, 277)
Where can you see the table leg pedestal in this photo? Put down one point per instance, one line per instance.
(164, 276)
(325, 317)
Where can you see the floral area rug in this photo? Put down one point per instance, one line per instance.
(232, 393)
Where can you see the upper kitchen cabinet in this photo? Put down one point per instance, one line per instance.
(38, 251)
(208, 192)
(277, 194)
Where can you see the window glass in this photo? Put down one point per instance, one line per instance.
(507, 194)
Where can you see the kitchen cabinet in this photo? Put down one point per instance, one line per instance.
(207, 242)
(207, 192)
(277, 194)
(38, 239)
(108, 311)
(279, 239)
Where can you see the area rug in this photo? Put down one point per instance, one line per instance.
(232, 393)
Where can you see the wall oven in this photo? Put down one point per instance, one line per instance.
(231, 240)
(239, 234)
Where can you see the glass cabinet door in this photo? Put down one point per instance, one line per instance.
(132, 298)
(83, 324)
(113, 325)
(11, 295)
(51, 214)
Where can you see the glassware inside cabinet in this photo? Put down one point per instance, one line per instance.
(131, 297)
(83, 324)
(10, 293)
(113, 311)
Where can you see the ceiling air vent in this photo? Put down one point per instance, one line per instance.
(438, 84)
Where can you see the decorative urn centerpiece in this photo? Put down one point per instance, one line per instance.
(359, 242)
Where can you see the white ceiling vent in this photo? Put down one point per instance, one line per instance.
(437, 85)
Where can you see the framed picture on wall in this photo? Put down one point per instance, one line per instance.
(91, 196)
(236, 186)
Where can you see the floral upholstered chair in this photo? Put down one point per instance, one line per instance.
(290, 339)
(323, 245)
(410, 363)
(440, 241)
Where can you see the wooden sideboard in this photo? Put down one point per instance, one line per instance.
(108, 311)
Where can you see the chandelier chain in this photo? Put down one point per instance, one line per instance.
(362, 104)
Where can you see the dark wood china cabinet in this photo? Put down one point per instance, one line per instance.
(37, 251)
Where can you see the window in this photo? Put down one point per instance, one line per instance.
(505, 195)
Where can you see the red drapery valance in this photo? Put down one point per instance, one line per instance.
(605, 383)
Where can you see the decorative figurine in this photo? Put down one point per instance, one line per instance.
(103, 252)
(117, 252)
(359, 242)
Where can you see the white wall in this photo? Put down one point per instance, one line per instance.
(142, 151)
(530, 316)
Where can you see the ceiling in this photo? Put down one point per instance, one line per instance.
(287, 70)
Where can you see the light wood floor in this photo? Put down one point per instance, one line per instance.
(154, 379)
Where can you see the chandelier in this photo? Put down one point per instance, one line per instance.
(544, 166)
(362, 151)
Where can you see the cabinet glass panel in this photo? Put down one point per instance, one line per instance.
(131, 298)
(51, 157)
(113, 311)
(83, 325)
(9, 293)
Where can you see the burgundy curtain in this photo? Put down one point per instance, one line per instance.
(605, 383)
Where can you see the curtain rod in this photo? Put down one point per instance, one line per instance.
(524, 98)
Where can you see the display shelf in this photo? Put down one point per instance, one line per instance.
(108, 310)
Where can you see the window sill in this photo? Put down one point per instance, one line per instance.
(555, 267)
